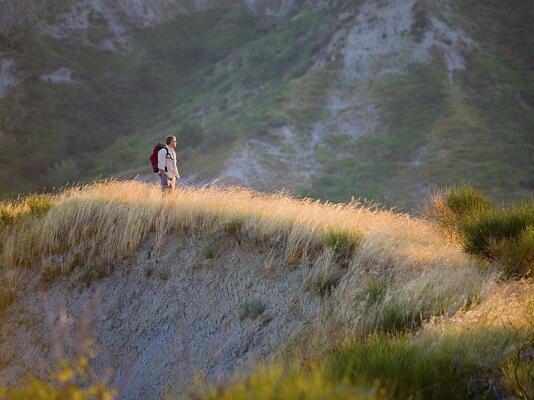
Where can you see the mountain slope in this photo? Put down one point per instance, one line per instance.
(382, 100)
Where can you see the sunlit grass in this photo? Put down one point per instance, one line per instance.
(117, 216)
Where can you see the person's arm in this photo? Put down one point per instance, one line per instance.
(176, 167)
(161, 161)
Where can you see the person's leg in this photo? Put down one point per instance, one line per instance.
(172, 184)
(164, 180)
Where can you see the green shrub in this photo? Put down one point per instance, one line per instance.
(397, 318)
(252, 308)
(480, 229)
(209, 251)
(410, 370)
(374, 290)
(34, 205)
(519, 255)
(466, 200)
(435, 366)
(8, 215)
(505, 235)
(39, 204)
(234, 224)
(502, 234)
(7, 297)
(343, 243)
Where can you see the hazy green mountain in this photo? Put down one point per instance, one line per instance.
(334, 99)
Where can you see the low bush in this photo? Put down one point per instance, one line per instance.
(503, 234)
(233, 225)
(209, 251)
(252, 308)
(343, 243)
(39, 204)
(466, 200)
(7, 296)
(509, 224)
(8, 214)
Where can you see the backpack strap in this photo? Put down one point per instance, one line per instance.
(168, 153)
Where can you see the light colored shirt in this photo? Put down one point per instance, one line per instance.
(168, 161)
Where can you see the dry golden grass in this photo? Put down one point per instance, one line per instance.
(505, 305)
(117, 216)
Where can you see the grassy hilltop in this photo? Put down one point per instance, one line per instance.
(403, 310)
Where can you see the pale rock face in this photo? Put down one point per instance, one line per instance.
(380, 41)
(150, 12)
(243, 168)
(146, 13)
(271, 8)
(375, 40)
(60, 75)
(7, 79)
(77, 20)
(16, 13)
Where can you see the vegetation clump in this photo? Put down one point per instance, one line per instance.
(209, 251)
(234, 224)
(503, 234)
(7, 296)
(252, 308)
(36, 205)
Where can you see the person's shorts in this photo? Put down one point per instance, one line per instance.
(167, 183)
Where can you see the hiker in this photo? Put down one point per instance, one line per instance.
(168, 170)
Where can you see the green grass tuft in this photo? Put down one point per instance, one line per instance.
(8, 215)
(7, 297)
(233, 225)
(209, 251)
(374, 290)
(252, 308)
(39, 204)
(466, 200)
(343, 243)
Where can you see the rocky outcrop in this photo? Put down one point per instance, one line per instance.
(60, 75)
(385, 38)
(16, 14)
(7, 79)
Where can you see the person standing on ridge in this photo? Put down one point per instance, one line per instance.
(168, 170)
